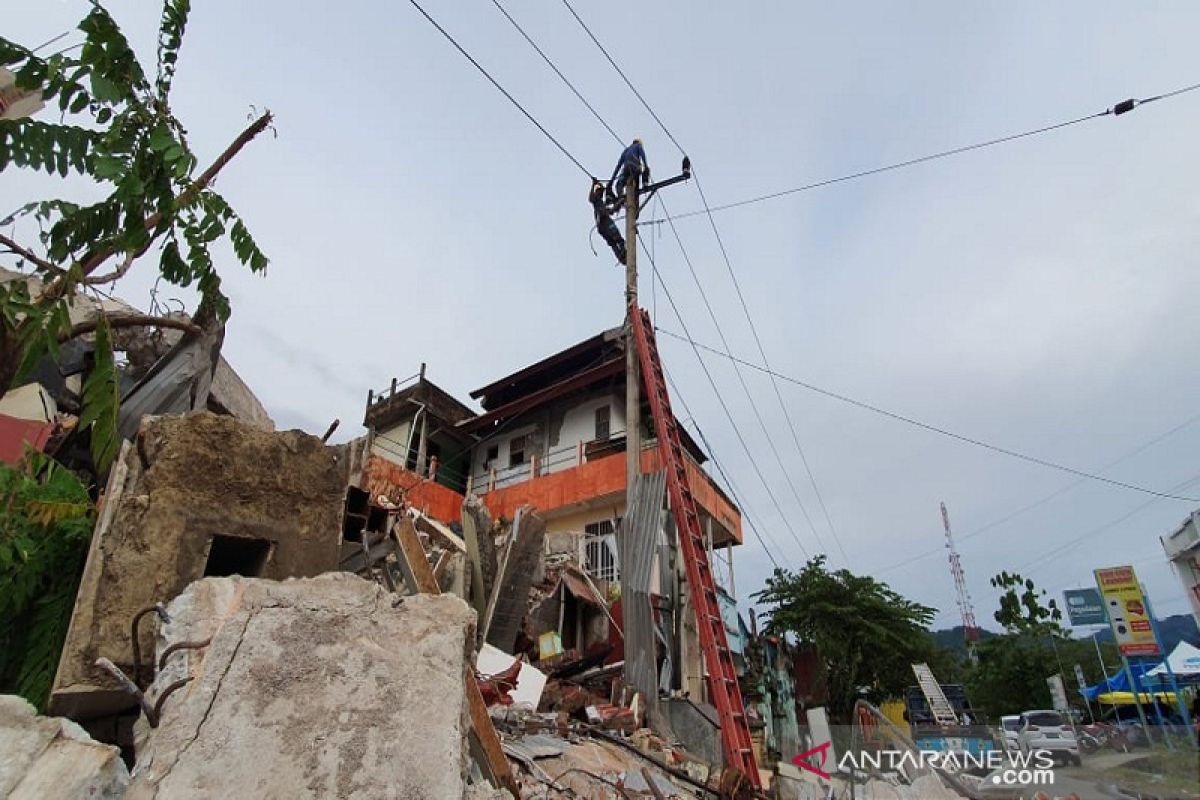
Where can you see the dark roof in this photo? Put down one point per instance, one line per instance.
(581, 357)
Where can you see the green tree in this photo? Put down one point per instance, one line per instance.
(118, 131)
(1010, 672)
(45, 525)
(867, 636)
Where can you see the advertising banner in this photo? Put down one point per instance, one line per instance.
(1127, 612)
(1084, 607)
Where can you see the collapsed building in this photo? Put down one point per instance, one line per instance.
(477, 586)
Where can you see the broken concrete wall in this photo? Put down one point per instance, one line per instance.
(43, 757)
(197, 494)
(311, 688)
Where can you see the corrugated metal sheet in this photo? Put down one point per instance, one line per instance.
(639, 538)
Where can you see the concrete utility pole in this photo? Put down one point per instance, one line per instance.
(633, 444)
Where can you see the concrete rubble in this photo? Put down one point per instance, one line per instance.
(51, 757)
(309, 688)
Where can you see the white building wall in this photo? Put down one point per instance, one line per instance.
(1183, 549)
(390, 443)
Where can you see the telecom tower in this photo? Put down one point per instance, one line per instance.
(970, 629)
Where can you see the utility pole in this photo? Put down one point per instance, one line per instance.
(633, 395)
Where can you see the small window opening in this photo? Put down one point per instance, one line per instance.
(516, 450)
(602, 423)
(235, 555)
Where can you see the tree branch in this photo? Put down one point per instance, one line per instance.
(91, 263)
(116, 274)
(130, 321)
(28, 255)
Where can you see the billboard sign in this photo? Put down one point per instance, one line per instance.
(1127, 614)
(1085, 607)
(1079, 677)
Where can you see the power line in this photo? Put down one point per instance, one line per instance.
(1057, 493)
(1062, 549)
(712, 453)
(557, 71)
(621, 72)
(745, 309)
(774, 384)
(1116, 110)
(503, 91)
(933, 428)
(728, 414)
(745, 388)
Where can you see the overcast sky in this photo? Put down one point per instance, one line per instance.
(1039, 295)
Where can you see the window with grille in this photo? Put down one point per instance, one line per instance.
(600, 550)
(602, 423)
(516, 450)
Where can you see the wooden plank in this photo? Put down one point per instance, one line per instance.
(412, 557)
(488, 740)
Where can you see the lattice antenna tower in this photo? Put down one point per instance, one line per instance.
(963, 597)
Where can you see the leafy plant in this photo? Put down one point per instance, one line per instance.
(46, 522)
(117, 130)
(866, 634)
(1022, 609)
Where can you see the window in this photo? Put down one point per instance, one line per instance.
(602, 427)
(235, 555)
(600, 550)
(493, 455)
(516, 450)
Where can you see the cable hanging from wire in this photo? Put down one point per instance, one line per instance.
(1116, 110)
(502, 90)
(932, 428)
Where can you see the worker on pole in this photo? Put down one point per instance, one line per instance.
(630, 165)
(604, 222)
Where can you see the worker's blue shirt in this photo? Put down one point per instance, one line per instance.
(634, 154)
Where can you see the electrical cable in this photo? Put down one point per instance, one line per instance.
(745, 388)
(1116, 110)
(933, 428)
(557, 71)
(729, 266)
(620, 72)
(1037, 503)
(728, 414)
(812, 479)
(503, 91)
(712, 454)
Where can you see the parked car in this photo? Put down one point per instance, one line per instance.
(1049, 731)
(1010, 728)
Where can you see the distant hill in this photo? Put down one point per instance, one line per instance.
(1173, 629)
(953, 639)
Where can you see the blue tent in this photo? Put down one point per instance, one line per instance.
(1120, 682)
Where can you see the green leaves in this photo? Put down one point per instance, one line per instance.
(170, 39)
(101, 399)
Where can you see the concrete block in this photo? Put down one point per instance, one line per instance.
(42, 758)
(311, 688)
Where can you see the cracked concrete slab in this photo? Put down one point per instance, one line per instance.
(317, 687)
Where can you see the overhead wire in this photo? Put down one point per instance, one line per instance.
(926, 158)
(617, 137)
(931, 428)
(745, 308)
(745, 388)
(502, 90)
(728, 414)
(1042, 501)
(557, 71)
(712, 454)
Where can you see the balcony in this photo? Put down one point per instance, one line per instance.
(592, 473)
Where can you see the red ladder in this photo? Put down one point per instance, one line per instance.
(723, 689)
